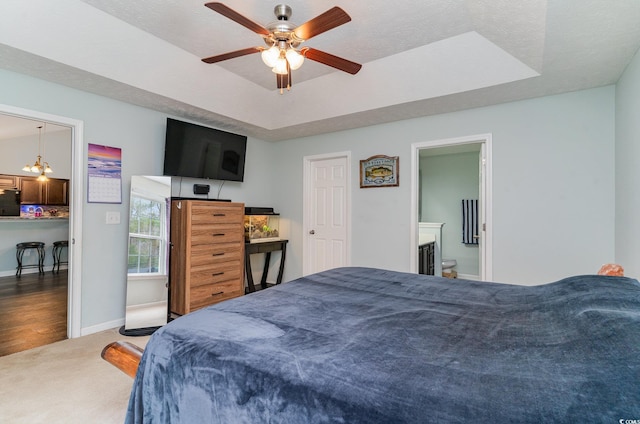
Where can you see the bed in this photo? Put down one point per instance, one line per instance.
(364, 345)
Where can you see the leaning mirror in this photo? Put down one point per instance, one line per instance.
(148, 264)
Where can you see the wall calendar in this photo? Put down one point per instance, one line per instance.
(104, 175)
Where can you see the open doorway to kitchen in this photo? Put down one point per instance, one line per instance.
(71, 130)
(444, 216)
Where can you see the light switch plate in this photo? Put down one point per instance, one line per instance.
(113, 218)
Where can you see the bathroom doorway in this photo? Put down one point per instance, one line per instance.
(472, 181)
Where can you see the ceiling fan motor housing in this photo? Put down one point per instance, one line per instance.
(282, 29)
(282, 12)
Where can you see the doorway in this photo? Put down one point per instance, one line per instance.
(476, 143)
(75, 209)
(326, 212)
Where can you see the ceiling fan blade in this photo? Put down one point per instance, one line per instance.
(231, 55)
(331, 60)
(235, 16)
(330, 19)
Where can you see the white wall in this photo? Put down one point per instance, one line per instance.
(553, 185)
(15, 153)
(139, 132)
(628, 169)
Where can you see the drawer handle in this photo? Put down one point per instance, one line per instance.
(219, 214)
(215, 274)
(217, 294)
(218, 254)
(217, 234)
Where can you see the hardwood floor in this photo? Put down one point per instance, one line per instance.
(34, 311)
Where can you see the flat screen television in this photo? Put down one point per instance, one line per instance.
(200, 152)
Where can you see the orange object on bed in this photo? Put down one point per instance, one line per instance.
(611, 269)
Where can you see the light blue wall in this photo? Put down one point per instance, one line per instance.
(553, 185)
(446, 180)
(139, 132)
(553, 190)
(628, 169)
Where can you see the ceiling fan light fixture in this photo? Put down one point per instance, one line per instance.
(281, 67)
(294, 58)
(270, 56)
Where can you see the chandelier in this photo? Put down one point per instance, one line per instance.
(39, 166)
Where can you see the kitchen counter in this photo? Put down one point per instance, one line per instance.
(32, 219)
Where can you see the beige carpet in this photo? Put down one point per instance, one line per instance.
(65, 382)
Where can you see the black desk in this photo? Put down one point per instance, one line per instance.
(265, 247)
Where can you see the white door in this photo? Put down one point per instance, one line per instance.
(326, 212)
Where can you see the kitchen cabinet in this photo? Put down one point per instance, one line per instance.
(8, 181)
(31, 191)
(55, 191)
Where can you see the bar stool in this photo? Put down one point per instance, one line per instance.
(21, 248)
(57, 254)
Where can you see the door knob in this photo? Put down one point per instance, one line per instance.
(312, 232)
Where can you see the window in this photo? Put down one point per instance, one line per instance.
(146, 243)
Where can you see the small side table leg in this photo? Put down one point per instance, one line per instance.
(265, 270)
(281, 269)
(247, 267)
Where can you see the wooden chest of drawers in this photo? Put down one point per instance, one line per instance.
(207, 253)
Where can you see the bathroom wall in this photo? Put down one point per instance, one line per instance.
(446, 180)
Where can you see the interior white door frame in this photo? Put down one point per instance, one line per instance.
(307, 201)
(486, 238)
(74, 307)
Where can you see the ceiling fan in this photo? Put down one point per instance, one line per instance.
(283, 39)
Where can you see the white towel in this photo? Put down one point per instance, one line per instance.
(469, 221)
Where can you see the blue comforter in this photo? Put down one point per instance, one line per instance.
(362, 345)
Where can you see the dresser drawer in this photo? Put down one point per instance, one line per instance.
(207, 254)
(221, 214)
(206, 295)
(216, 233)
(207, 274)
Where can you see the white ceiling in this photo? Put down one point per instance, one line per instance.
(419, 57)
(12, 127)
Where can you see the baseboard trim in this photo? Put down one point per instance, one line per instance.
(85, 331)
(12, 273)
